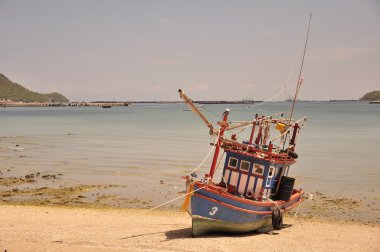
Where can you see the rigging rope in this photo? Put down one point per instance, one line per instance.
(261, 103)
(219, 161)
(81, 237)
(283, 90)
(211, 112)
(208, 154)
(158, 206)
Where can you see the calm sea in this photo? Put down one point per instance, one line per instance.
(148, 147)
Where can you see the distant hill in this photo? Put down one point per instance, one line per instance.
(15, 92)
(371, 96)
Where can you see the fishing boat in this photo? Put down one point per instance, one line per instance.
(255, 189)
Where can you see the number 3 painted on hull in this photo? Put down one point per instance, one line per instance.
(213, 211)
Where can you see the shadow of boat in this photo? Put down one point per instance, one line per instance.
(185, 233)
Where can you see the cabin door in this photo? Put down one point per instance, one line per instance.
(257, 187)
(270, 176)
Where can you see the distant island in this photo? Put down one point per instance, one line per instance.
(13, 92)
(371, 96)
(15, 95)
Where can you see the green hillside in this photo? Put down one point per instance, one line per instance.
(15, 92)
(371, 96)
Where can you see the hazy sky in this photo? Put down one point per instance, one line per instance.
(146, 50)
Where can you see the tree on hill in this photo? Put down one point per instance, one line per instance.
(15, 92)
(371, 96)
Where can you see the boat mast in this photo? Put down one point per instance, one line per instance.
(300, 79)
(295, 126)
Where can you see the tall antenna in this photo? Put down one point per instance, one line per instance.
(300, 79)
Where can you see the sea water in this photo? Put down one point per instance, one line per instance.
(148, 147)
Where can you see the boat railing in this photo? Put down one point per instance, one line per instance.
(253, 150)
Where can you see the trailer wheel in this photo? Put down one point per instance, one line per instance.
(276, 219)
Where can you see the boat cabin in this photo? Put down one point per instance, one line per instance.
(251, 177)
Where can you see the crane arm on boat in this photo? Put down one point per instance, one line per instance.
(193, 108)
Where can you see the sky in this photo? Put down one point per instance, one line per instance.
(212, 49)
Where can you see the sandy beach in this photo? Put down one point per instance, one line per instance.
(43, 228)
(38, 213)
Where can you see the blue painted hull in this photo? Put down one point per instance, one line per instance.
(214, 211)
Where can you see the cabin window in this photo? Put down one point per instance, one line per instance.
(258, 169)
(232, 162)
(244, 166)
(271, 172)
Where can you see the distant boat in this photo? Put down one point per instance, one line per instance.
(374, 102)
(106, 106)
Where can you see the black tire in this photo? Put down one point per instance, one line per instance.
(292, 154)
(277, 219)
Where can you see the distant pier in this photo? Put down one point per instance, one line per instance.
(64, 104)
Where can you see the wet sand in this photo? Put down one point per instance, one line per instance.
(42, 228)
(41, 189)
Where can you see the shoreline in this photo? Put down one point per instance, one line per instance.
(43, 228)
(6, 104)
(64, 104)
(51, 190)
(321, 207)
(290, 216)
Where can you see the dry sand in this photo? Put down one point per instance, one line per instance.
(47, 228)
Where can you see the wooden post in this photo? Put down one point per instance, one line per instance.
(253, 130)
(218, 143)
(259, 135)
(270, 149)
(293, 139)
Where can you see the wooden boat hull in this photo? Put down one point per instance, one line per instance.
(213, 210)
(202, 226)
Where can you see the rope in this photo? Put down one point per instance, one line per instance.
(292, 69)
(295, 214)
(287, 80)
(172, 200)
(208, 154)
(211, 112)
(142, 213)
(295, 60)
(158, 206)
(261, 103)
(242, 129)
(268, 199)
(220, 159)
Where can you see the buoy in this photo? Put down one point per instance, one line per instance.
(281, 127)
